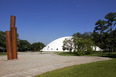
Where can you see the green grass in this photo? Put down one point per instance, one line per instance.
(95, 69)
(66, 53)
(100, 54)
(103, 54)
(3, 53)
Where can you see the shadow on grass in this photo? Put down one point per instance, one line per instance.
(110, 56)
(3, 53)
(100, 54)
(67, 54)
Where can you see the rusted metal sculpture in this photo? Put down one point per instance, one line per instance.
(11, 40)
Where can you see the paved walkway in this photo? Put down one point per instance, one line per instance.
(30, 64)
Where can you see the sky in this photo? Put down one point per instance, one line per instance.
(47, 20)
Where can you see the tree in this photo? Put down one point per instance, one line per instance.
(114, 39)
(24, 45)
(83, 45)
(104, 32)
(2, 39)
(111, 21)
(37, 46)
(100, 26)
(68, 44)
(87, 35)
(98, 32)
(79, 35)
(84, 35)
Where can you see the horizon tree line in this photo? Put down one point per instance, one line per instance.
(22, 45)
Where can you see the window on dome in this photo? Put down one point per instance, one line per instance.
(48, 48)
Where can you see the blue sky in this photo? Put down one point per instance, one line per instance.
(47, 20)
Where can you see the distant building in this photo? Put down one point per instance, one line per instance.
(57, 44)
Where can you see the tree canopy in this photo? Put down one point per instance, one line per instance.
(37, 46)
(104, 32)
(2, 39)
(24, 45)
(68, 44)
(79, 43)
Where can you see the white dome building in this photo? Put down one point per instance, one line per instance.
(56, 45)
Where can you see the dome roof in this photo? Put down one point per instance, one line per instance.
(56, 45)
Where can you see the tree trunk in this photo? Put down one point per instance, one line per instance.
(112, 50)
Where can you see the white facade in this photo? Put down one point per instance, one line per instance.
(57, 44)
(96, 48)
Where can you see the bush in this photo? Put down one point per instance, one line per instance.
(83, 46)
(37, 46)
(80, 53)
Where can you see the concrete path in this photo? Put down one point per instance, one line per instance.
(30, 64)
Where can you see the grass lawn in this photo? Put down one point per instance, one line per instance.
(100, 54)
(66, 54)
(3, 53)
(95, 69)
(74, 54)
(103, 54)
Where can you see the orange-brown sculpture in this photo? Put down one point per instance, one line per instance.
(11, 40)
